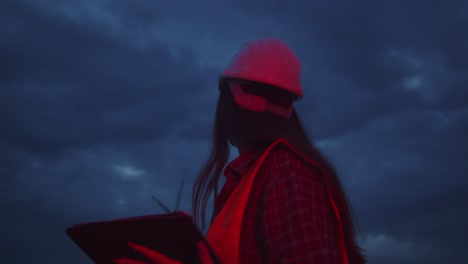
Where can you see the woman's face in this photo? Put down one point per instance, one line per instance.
(240, 126)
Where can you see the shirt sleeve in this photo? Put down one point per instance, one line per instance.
(296, 223)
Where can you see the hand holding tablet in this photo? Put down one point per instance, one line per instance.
(155, 257)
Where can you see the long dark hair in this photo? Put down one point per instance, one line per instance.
(259, 130)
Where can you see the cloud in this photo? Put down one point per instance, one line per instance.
(128, 172)
(69, 84)
(359, 56)
(383, 245)
(400, 183)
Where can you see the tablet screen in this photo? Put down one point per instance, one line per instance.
(174, 235)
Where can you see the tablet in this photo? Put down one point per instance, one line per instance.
(174, 235)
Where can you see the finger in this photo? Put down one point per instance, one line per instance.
(152, 255)
(127, 261)
(204, 253)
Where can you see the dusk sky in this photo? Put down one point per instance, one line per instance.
(105, 103)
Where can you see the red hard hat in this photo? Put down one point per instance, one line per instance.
(268, 61)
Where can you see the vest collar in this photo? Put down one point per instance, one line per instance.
(239, 166)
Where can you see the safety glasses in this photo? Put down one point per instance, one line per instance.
(255, 102)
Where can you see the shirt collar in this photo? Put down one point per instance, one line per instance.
(239, 166)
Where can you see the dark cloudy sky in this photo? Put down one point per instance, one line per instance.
(105, 103)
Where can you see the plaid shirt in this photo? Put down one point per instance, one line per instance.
(288, 218)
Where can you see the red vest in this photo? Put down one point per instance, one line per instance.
(224, 233)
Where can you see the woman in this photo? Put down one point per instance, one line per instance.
(282, 201)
